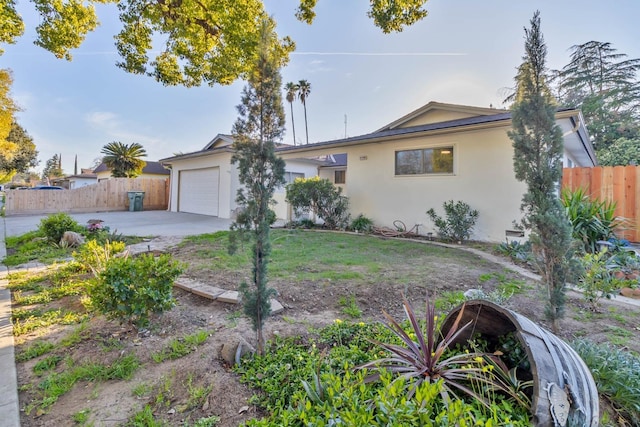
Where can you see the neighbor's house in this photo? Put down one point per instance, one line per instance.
(436, 153)
(150, 170)
(84, 178)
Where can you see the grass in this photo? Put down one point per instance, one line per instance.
(180, 347)
(299, 255)
(350, 307)
(56, 384)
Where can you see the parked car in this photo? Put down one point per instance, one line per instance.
(46, 187)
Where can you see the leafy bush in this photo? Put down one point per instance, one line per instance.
(361, 224)
(54, 226)
(458, 222)
(321, 197)
(308, 382)
(617, 376)
(598, 280)
(93, 256)
(425, 356)
(515, 250)
(592, 220)
(132, 288)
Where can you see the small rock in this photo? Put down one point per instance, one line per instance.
(244, 409)
(71, 239)
(171, 411)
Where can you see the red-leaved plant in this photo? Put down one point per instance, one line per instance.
(424, 357)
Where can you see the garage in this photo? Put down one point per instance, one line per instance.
(198, 191)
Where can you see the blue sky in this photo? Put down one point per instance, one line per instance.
(465, 52)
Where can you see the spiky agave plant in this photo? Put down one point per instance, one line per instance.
(424, 356)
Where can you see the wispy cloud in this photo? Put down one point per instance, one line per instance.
(381, 53)
(114, 128)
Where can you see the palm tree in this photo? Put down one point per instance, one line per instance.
(125, 161)
(292, 93)
(304, 89)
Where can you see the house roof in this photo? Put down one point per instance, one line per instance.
(83, 175)
(576, 138)
(440, 106)
(151, 167)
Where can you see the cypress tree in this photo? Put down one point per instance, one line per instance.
(260, 124)
(538, 149)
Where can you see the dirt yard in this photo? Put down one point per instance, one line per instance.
(167, 385)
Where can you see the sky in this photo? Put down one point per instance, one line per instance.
(464, 52)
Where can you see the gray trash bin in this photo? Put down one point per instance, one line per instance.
(135, 200)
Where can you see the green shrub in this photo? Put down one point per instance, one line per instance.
(598, 280)
(458, 222)
(54, 226)
(361, 224)
(321, 197)
(617, 376)
(130, 289)
(93, 256)
(591, 220)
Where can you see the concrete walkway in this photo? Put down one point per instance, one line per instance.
(9, 406)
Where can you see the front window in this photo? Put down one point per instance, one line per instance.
(425, 161)
(340, 177)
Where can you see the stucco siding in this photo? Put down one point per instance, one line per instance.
(226, 200)
(436, 116)
(483, 177)
(282, 208)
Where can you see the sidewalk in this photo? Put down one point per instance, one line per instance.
(9, 406)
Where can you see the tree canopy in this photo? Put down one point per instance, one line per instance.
(604, 84)
(52, 168)
(7, 110)
(192, 41)
(124, 160)
(24, 156)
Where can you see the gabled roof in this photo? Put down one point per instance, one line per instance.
(155, 168)
(460, 111)
(219, 141)
(417, 122)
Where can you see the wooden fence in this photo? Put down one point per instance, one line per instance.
(104, 196)
(613, 183)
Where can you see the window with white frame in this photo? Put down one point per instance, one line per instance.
(424, 161)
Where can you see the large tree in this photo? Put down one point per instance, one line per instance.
(605, 85)
(124, 160)
(7, 110)
(192, 41)
(259, 126)
(292, 93)
(538, 149)
(304, 90)
(25, 155)
(52, 168)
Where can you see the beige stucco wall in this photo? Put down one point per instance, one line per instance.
(282, 208)
(227, 184)
(436, 116)
(329, 173)
(483, 177)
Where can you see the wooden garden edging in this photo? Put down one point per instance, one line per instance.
(104, 196)
(612, 183)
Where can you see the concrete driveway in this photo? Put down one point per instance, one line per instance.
(144, 223)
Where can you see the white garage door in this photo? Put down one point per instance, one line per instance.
(198, 191)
